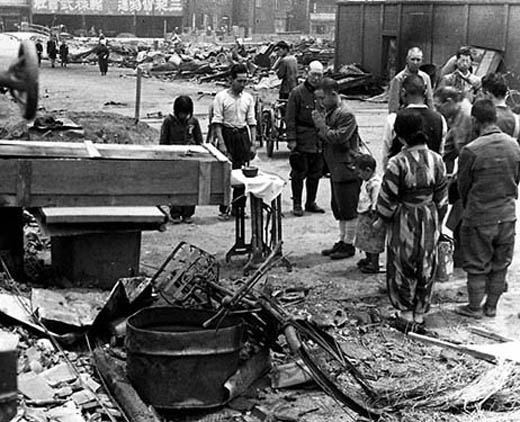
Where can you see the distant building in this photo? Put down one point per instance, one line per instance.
(13, 13)
(144, 18)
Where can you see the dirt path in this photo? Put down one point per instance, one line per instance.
(337, 288)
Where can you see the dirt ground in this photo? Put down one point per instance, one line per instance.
(338, 290)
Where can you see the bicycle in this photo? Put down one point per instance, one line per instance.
(273, 128)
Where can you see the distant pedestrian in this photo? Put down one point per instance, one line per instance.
(52, 50)
(181, 128)
(103, 53)
(369, 239)
(64, 54)
(39, 51)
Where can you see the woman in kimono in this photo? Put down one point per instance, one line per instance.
(412, 202)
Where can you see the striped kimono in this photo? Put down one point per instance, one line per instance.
(413, 201)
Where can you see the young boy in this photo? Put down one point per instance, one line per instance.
(368, 239)
(181, 128)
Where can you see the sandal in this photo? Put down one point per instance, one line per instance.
(466, 311)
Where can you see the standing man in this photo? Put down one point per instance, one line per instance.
(39, 51)
(338, 131)
(434, 124)
(462, 78)
(305, 159)
(52, 50)
(235, 127)
(414, 60)
(488, 176)
(495, 87)
(64, 54)
(286, 69)
(103, 53)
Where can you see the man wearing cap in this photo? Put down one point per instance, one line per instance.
(286, 68)
(306, 154)
(414, 60)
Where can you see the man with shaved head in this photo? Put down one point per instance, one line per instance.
(414, 59)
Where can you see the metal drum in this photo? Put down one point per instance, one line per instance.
(175, 363)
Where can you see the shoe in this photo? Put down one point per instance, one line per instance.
(176, 220)
(187, 220)
(335, 247)
(465, 310)
(345, 251)
(297, 211)
(489, 311)
(314, 208)
(369, 268)
(223, 216)
(362, 262)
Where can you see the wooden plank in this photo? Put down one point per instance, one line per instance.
(204, 183)
(102, 200)
(91, 149)
(458, 348)
(215, 152)
(108, 151)
(74, 215)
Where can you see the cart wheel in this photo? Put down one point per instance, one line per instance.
(25, 70)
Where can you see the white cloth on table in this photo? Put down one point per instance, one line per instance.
(265, 185)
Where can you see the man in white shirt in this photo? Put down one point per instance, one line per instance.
(235, 127)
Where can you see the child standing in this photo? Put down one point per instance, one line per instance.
(368, 239)
(181, 128)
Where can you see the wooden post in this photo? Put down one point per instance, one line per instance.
(11, 240)
(138, 94)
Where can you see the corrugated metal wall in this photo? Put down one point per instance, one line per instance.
(366, 29)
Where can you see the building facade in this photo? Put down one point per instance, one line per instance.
(13, 13)
(143, 18)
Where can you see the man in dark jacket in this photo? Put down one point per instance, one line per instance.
(286, 70)
(305, 159)
(52, 50)
(488, 176)
(338, 131)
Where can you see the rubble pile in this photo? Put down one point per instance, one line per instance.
(210, 62)
(353, 356)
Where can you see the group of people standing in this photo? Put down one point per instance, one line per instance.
(102, 51)
(53, 51)
(455, 141)
(472, 146)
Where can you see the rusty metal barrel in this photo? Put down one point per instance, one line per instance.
(175, 363)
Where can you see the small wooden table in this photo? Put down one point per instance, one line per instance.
(98, 245)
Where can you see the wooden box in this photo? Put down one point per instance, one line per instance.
(36, 174)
